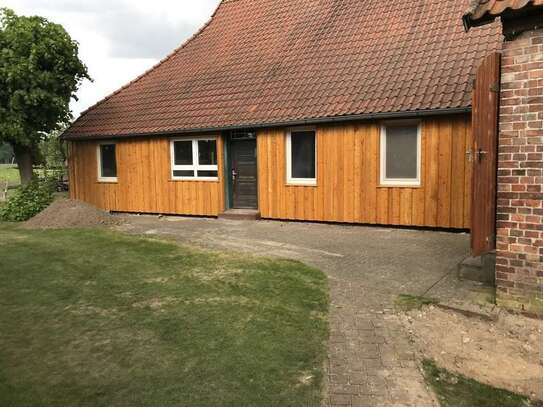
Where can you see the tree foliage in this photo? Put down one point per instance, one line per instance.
(6, 153)
(40, 71)
(28, 200)
(52, 151)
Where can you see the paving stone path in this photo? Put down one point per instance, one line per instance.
(371, 362)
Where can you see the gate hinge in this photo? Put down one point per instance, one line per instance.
(495, 87)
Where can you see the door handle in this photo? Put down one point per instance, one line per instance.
(476, 155)
(480, 153)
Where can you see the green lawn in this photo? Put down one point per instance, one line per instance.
(458, 391)
(10, 173)
(98, 318)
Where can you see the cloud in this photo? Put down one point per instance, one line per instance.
(134, 35)
(132, 29)
(119, 39)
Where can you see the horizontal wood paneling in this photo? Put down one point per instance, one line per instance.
(348, 187)
(144, 180)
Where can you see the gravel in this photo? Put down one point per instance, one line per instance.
(68, 213)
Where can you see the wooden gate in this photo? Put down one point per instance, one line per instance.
(483, 155)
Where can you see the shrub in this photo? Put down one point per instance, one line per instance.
(28, 200)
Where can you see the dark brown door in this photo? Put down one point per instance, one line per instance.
(483, 155)
(244, 184)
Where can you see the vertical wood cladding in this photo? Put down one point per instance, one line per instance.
(348, 188)
(144, 180)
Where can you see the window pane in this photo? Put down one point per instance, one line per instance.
(401, 154)
(183, 173)
(303, 154)
(207, 174)
(182, 152)
(108, 161)
(207, 152)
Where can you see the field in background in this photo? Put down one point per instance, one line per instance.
(10, 173)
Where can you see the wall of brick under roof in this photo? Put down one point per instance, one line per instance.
(519, 269)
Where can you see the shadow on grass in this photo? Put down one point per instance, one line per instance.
(455, 390)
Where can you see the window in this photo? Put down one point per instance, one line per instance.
(301, 155)
(194, 159)
(400, 154)
(107, 162)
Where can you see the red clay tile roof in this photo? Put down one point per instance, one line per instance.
(269, 62)
(484, 11)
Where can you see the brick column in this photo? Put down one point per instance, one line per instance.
(519, 255)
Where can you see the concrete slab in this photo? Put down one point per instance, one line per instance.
(240, 214)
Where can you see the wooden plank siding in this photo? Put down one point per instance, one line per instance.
(348, 165)
(144, 180)
(347, 190)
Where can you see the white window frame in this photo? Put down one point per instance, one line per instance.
(195, 167)
(290, 179)
(99, 161)
(400, 182)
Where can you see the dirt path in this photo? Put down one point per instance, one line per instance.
(507, 353)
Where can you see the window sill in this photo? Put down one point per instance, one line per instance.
(108, 181)
(215, 180)
(302, 183)
(409, 186)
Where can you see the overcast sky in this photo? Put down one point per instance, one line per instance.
(119, 39)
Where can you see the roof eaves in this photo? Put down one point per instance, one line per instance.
(301, 122)
(481, 12)
(470, 23)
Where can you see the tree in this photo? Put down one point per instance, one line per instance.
(40, 71)
(52, 150)
(6, 153)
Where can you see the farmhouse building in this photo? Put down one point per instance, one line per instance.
(344, 111)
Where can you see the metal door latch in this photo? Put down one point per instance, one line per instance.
(475, 155)
(480, 153)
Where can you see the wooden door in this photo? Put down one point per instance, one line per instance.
(244, 182)
(483, 155)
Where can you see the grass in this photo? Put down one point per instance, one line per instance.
(408, 302)
(98, 318)
(455, 390)
(9, 173)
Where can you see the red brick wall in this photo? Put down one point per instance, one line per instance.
(519, 256)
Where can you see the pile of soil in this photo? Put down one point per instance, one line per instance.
(507, 353)
(68, 213)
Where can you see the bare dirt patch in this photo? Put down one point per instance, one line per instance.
(68, 213)
(507, 353)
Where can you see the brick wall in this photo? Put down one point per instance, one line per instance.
(519, 255)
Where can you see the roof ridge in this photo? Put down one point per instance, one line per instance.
(166, 58)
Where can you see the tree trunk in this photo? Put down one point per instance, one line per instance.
(23, 156)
